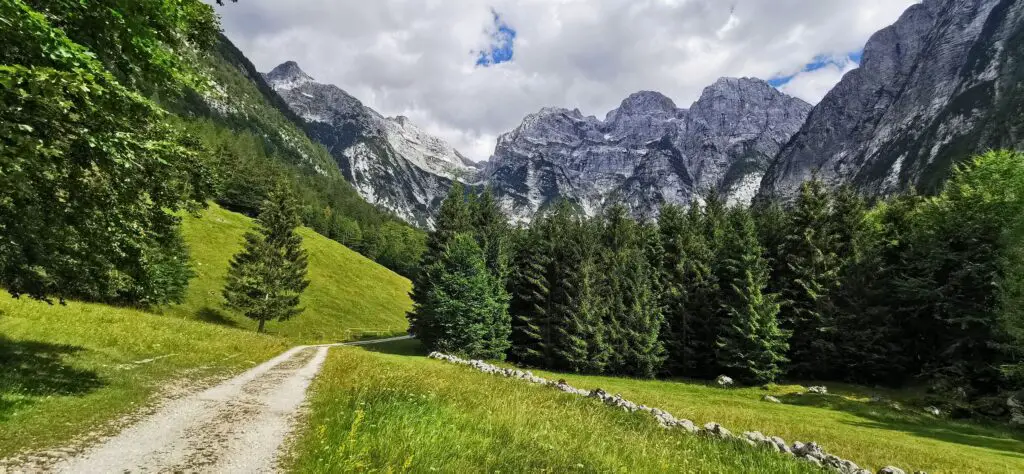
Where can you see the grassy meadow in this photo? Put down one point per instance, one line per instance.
(379, 412)
(396, 409)
(69, 370)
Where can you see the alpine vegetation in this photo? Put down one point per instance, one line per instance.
(828, 287)
(268, 276)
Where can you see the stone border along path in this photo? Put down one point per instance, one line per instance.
(236, 426)
(810, 452)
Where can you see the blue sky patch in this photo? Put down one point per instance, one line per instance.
(502, 48)
(818, 63)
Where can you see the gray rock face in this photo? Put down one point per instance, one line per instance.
(647, 152)
(390, 161)
(942, 83)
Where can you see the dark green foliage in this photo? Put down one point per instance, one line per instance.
(809, 278)
(772, 222)
(530, 293)
(267, 278)
(148, 45)
(452, 219)
(690, 289)
(633, 316)
(751, 346)
(91, 173)
(462, 312)
(969, 233)
(460, 301)
(492, 231)
(575, 307)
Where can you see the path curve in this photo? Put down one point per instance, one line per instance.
(237, 426)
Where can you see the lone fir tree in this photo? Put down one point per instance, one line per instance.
(267, 277)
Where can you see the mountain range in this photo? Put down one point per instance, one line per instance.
(944, 82)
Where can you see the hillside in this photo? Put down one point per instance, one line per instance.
(78, 366)
(257, 141)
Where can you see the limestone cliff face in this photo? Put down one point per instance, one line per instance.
(944, 82)
(390, 161)
(647, 152)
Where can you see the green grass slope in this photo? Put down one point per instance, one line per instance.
(348, 294)
(69, 370)
(455, 419)
(845, 422)
(374, 412)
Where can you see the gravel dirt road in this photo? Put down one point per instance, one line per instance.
(238, 426)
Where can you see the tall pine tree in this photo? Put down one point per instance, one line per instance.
(529, 288)
(751, 346)
(267, 277)
(463, 304)
(634, 316)
(579, 337)
(453, 219)
(809, 277)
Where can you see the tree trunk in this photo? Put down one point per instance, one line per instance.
(260, 328)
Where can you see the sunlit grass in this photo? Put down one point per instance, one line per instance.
(382, 412)
(484, 414)
(68, 370)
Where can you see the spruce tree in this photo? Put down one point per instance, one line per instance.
(267, 278)
(705, 267)
(530, 294)
(634, 318)
(463, 304)
(492, 232)
(674, 283)
(491, 229)
(870, 348)
(810, 277)
(453, 219)
(578, 341)
(751, 347)
(773, 223)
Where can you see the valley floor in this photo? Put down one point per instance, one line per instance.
(389, 407)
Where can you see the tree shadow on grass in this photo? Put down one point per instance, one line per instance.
(31, 370)
(910, 420)
(405, 347)
(214, 316)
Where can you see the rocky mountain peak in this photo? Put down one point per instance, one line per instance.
(939, 85)
(646, 153)
(391, 162)
(287, 76)
(647, 102)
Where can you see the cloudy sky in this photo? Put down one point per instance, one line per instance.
(469, 70)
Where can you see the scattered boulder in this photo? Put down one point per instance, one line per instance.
(891, 470)
(724, 381)
(716, 430)
(933, 411)
(820, 390)
(687, 426)
(1016, 410)
(781, 445)
(770, 399)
